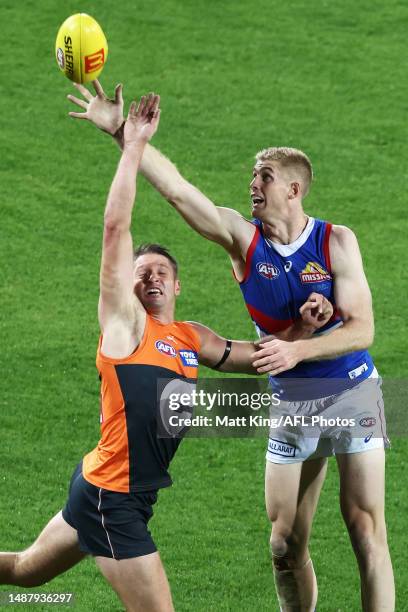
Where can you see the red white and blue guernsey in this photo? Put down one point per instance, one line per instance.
(278, 279)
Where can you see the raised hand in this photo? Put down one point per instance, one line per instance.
(105, 113)
(142, 121)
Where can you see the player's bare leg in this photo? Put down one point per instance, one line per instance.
(362, 505)
(292, 492)
(55, 551)
(140, 582)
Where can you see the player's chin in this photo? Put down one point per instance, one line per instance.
(152, 303)
(258, 212)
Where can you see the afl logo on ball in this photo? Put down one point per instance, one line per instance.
(267, 270)
(60, 58)
(165, 349)
(367, 422)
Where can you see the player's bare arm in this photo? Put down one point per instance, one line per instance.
(122, 317)
(225, 355)
(353, 299)
(224, 226)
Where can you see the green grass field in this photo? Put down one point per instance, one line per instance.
(326, 77)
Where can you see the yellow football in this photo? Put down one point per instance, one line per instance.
(81, 49)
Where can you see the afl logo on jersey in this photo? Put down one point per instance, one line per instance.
(165, 349)
(314, 273)
(267, 270)
(367, 422)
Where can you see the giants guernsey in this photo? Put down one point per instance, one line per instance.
(130, 456)
(279, 278)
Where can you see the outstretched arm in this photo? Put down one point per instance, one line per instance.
(121, 315)
(222, 225)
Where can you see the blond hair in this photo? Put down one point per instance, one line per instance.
(294, 160)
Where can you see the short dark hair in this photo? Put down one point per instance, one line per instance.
(158, 249)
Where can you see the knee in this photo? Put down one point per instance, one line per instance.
(368, 536)
(287, 552)
(24, 574)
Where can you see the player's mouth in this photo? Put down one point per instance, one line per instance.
(257, 200)
(154, 291)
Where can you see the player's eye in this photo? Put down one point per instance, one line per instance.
(267, 178)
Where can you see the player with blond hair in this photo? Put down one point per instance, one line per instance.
(278, 258)
(114, 488)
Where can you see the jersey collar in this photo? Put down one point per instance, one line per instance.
(289, 249)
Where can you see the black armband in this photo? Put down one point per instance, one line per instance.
(225, 356)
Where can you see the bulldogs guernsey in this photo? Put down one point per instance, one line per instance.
(278, 279)
(130, 456)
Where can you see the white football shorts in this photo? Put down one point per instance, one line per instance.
(349, 422)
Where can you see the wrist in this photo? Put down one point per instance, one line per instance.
(132, 151)
(301, 329)
(119, 132)
(307, 329)
(302, 349)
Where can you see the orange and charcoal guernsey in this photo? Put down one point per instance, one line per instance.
(130, 455)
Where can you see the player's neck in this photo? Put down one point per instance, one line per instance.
(286, 231)
(165, 317)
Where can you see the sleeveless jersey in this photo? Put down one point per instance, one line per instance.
(279, 278)
(130, 456)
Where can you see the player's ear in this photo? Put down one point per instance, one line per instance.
(177, 287)
(294, 191)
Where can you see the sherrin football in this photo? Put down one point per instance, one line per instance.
(81, 49)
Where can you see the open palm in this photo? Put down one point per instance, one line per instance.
(104, 112)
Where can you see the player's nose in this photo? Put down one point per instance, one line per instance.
(153, 276)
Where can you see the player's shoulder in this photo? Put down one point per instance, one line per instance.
(202, 331)
(342, 237)
(190, 331)
(205, 334)
(232, 216)
(226, 211)
(241, 229)
(344, 249)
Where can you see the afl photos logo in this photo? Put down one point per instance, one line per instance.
(314, 273)
(165, 349)
(267, 270)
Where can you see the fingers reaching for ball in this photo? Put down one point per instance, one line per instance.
(143, 118)
(148, 107)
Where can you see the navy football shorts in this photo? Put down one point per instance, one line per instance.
(108, 523)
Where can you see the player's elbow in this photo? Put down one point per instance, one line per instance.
(178, 195)
(366, 336)
(113, 225)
